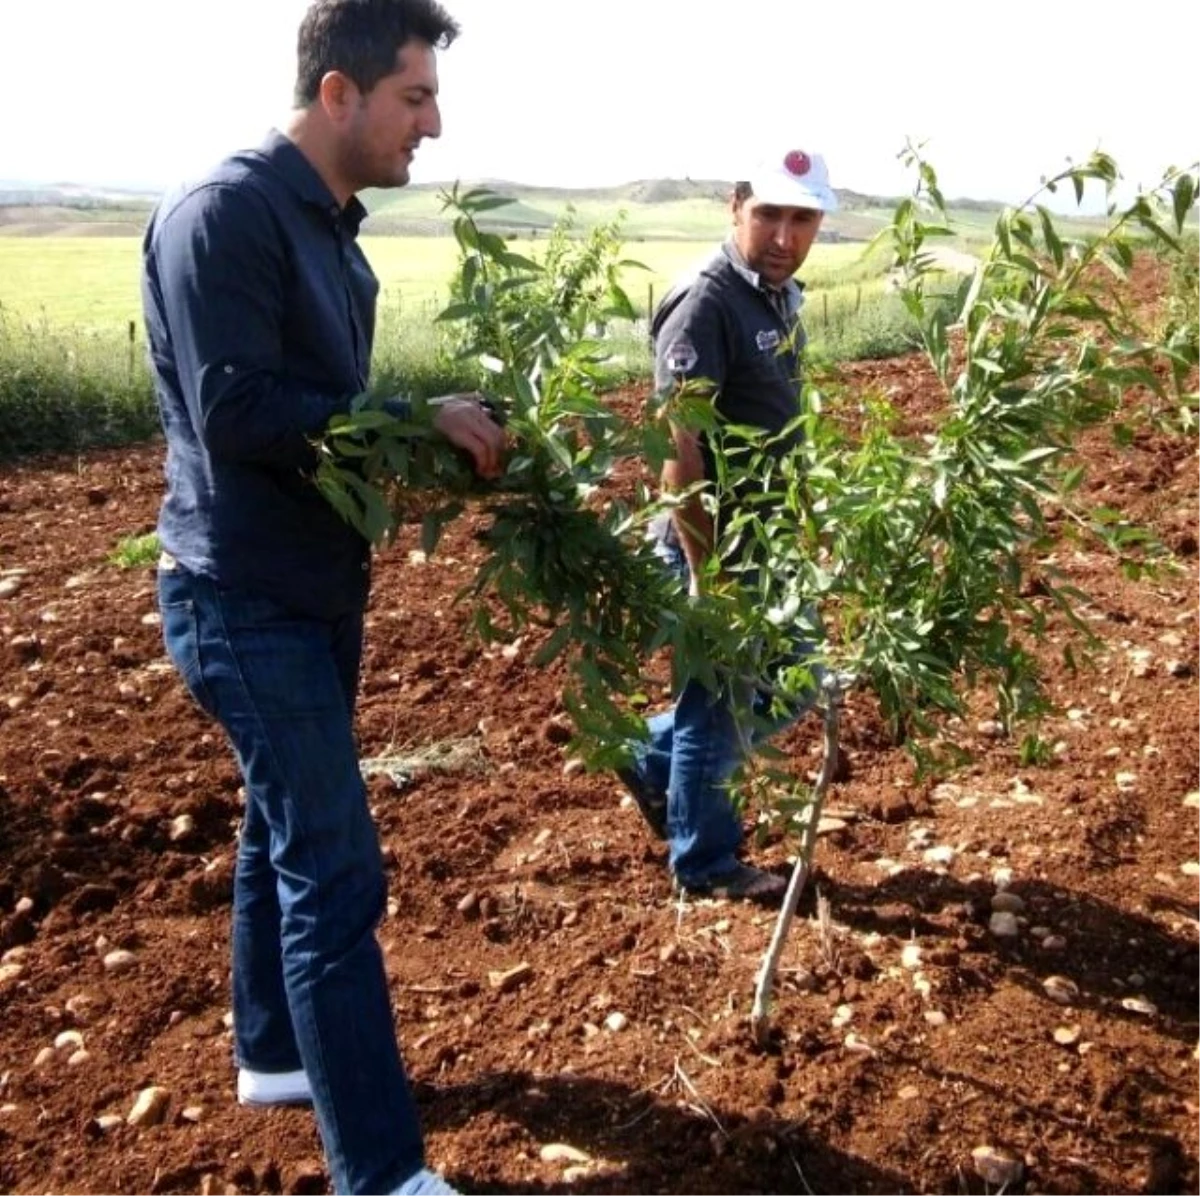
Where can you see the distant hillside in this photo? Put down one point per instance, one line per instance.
(67, 209)
(72, 195)
(651, 209)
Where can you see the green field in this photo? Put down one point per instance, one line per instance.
(92, 282)
(687, 218)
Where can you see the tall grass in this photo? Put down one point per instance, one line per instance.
(64, 389)
(852, 323)
(1182, 307)
(67, 388)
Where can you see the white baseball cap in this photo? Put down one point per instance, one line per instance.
(794, 178)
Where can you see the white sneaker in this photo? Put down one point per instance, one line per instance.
(425, 1183)
(273, 1088)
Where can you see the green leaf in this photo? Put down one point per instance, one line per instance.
(939, 491)
(1183, 196)
(515, 261)
(1050, 235)
(487, 202)
(1039, 454)
(456, 311)
(1072, 479)
(552, 648)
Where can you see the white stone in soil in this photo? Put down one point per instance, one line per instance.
(150, 1107)
(1061, 989)
(1007, 903)
(1139, 1005)
(561, 1152)
(997, 1165)
(181, 827)
(1004, 925)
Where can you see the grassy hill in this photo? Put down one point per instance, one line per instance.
(652, 209)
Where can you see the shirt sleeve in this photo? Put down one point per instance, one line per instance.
(217, 273)
(690, 344)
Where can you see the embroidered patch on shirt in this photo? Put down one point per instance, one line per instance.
(767, 339)
(681, 356)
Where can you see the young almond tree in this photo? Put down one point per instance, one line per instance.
(913, 546)
(562, 554)
(903, 554)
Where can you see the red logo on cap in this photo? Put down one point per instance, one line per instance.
(797, 162)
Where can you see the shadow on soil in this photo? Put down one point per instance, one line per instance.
(660, 1143)
(659, 1140)
(1104, 946)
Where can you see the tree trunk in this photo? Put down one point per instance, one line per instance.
(760, 1014)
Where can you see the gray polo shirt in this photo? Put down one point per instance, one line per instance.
(723, 325)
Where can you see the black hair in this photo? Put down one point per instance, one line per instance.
(742, 191)
(361, 38)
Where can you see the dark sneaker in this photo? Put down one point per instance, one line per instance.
(742, 883)
(652, 805)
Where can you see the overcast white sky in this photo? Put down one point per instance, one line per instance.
(552, 92)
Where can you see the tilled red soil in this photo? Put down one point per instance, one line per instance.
(907, 1034)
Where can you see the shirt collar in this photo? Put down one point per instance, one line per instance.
(790, 296)
(300, 174)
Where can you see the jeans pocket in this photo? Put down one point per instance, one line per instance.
(181, 637)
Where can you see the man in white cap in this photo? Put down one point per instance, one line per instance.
(732, 329)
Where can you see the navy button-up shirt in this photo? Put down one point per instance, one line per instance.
(260, 316)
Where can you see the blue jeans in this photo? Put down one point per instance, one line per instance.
(309, 987)
(694, 749)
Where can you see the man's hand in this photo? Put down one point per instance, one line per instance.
(466, 423)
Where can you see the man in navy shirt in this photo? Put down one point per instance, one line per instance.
(733, 331)
(260, 314)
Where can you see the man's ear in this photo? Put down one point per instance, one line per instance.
(338, 94)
